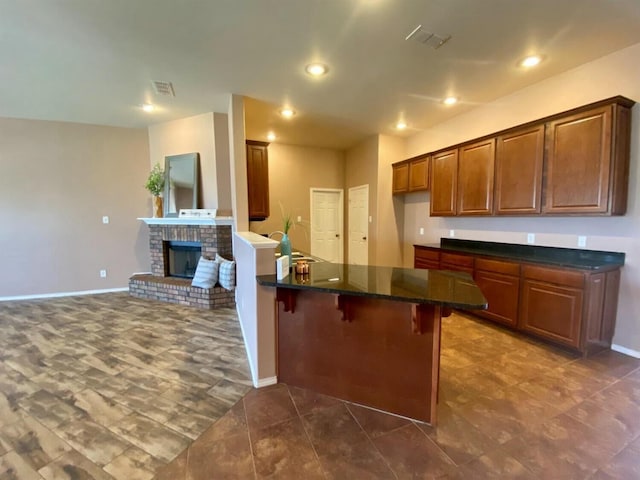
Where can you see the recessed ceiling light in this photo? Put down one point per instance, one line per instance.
(147, 107)
(530, 61)
(316, 69)
(401, 125)
(271, 136)
(287, 112)
(450, 100)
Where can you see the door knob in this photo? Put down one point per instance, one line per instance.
(337, 235)
(364, 238)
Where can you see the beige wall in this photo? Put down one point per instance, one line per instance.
(390, 214)
(223, 165)
(192, 134)
(361, 168)
(293, 171)
(58, 180)
(615, 74)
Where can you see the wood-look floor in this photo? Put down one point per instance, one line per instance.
(109, 386)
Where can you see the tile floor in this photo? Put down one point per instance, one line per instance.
(109, 386)
(509, 408)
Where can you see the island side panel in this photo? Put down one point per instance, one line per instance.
(372, 357)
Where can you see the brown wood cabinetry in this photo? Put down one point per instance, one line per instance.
(500, 283)
(572, 163)
(518, 183)
(444, 183)
(400, 177)
(475, 178)
(426, 258)
(419, 174)
(258, 179)
(571, 307)
(456, 262)
(411, 175)
(587, 162)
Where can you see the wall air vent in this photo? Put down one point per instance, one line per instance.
(163, 88)
(433, 40)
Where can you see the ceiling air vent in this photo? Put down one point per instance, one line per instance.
(420, 35)
(163, 88)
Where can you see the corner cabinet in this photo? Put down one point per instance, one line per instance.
(411, 175)
(258, 179)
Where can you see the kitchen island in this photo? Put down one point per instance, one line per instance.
(367, 334)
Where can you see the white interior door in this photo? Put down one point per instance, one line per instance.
(327, 224)
(359, 225)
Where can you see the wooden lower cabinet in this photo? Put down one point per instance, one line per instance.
(501, 292)
(570, 307)
(551, 311)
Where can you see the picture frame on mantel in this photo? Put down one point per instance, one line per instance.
(181, 186)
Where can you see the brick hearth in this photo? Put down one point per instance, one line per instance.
(213, 239)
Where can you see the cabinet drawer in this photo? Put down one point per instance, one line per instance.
(427, 254)
(498, 266)
(455, 259)
(569, 278)
(428, 264)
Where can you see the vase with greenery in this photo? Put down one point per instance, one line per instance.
(155, 185)
(285, 243)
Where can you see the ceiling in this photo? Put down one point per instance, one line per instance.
(93, 61)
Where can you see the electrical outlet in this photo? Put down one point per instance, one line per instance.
(299, 218)
(421, 231)
(105, 219)
(531, 238)
(582, 241)
(452, 233)
(103, 274)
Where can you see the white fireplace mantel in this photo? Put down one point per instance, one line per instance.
(188, 221)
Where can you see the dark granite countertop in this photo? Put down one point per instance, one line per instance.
(564, 257)
(448, 289)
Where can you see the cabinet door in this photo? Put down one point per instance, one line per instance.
(419, 174)
(578, 167)
(426, 258)
(400, 177)
(444, 183)
(475, 178)
(519, 171)
(502, 293)
(258, 180)
(457, 263)
(552, 310)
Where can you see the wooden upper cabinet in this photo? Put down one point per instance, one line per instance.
(444, 183)
(258, 179)
(419, 174)
(587, 165)
(518, 179)
(475, 178)
(400, 177)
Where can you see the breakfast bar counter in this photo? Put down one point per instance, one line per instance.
(367, 334)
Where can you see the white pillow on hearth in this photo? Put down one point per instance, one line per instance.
(227, 273)
(206, 275)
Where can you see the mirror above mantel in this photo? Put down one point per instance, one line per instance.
(181, 183)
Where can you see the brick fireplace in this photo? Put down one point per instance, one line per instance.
(213, 236)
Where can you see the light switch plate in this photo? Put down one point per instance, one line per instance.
(582, 241)
(421, 231)
(531, 238)
(105, 219)
(452, 233)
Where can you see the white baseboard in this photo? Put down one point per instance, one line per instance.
(63, 294)
(257, 382)
(625, 350)
(254, 376)
(265, 382)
